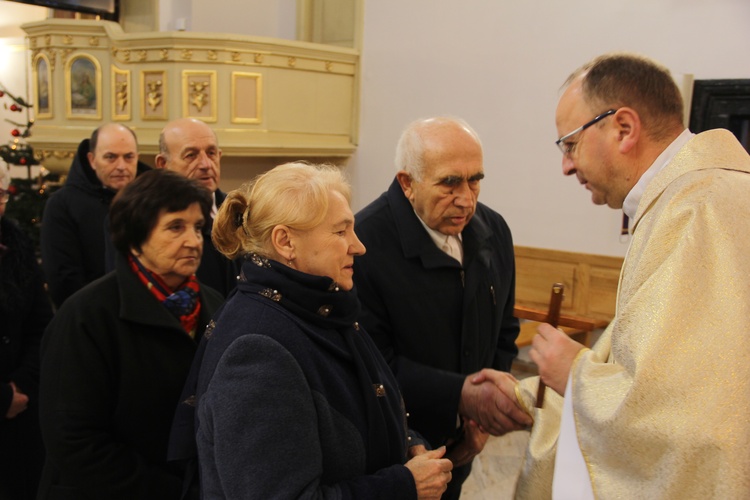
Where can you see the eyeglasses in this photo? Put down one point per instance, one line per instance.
(4, 196)
(567, 148)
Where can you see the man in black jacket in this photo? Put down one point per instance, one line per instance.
(189, 146)
(73, 226)
(437, 286)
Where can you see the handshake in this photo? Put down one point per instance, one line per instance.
(488, 406)
(488, 398)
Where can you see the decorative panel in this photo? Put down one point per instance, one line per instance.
(199, 95)
(153, 95)
(42, 79)
(121, 94)
(261, 96)
(83, 88)
(247, 97)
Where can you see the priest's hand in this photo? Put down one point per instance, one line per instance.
(495, 410)
(553, 352)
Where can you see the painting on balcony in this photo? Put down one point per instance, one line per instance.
(42, 94)
(83, 81)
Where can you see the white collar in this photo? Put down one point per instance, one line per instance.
(630, 205)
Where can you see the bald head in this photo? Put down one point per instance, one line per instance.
(440, 168)
(189, 146)
(429, 136)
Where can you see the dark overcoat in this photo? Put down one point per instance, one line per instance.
(114, 362)
(434, 320)
(25, 311)
(73, 229)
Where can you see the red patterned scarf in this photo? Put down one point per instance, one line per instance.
(184, 303)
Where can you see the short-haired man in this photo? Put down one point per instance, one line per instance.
(73, 232)
(437, 286)
(659, 407)
(190, 147)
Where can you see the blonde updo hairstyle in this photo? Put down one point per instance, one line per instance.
(294, 195)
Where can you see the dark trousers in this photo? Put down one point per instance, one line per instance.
(459, 475)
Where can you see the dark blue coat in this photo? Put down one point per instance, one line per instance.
(434, 320)
(293, 398)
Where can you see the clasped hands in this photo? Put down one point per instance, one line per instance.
(488, 398)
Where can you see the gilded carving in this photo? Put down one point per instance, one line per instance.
(153, 96)
(235, 56)
(126, 55)
(67, 40)
(258, 58)
(32, 42)
(329, 66)
(57, 154)
(187, 54)
(52, 58)
(47, 39)
(121, 89)
(94, 41)
(64, 55)
(121, 95)
(142, 55)
(164, 54)
(212, 55)
(198, 96)
(291, 62)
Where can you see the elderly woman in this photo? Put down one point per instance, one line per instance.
(293, 398)
(116, 355)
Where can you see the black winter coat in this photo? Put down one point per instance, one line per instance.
(434, 320)
(216, 270)
(25, 311)
(73, 229)
(114, 362)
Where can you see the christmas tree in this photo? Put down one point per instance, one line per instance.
(29, 195)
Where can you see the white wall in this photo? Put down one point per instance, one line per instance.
(499, 65)
(15, 69)
(275, 18)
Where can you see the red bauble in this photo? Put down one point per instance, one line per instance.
(22, 161)
(15, 132)
(2, 93)
(14, 107)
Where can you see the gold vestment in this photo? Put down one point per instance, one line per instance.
(662, 402)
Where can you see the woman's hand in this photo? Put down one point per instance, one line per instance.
(431, 473)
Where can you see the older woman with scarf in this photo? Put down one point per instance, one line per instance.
(116, 355)
(293, 398)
